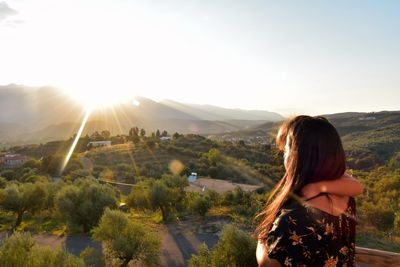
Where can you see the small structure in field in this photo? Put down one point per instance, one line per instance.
(165, 138)
(192, 177)
(99, 143)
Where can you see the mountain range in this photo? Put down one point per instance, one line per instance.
(42, 114)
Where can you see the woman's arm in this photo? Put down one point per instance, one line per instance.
(262, 256)
(344, 186)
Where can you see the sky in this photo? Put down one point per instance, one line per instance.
(291, 57)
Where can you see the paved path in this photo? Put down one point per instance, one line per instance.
(178, 243)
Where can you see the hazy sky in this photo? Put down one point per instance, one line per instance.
(287, 56)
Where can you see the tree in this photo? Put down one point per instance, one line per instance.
(241, 143)
(201, 204)
(139, 197)
(73, 164)
(134, 135)
(203, 259)
(126, 240)
(396, 223)
(96, 136)
(158, 134)
(126, 172)
(150, 143)
(92, 257)
(213, 157)
(105, 134)
(160, 197)
(135, 139)
(142, 132)
(134, 131)
(164, 133)
(176, 136)
(19, 250)
(235, 248)
(77, 174)
(176, 184)
(83, 203)
(52, 164)
(32, 163)
(23, 198)
(166, 194)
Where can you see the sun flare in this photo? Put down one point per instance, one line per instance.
(100, 96)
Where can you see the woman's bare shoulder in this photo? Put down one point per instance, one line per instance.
(329, 203)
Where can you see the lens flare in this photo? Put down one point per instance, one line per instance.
(78, 135)
(176, 166)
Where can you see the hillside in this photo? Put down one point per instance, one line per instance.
(191, 153)
(42, 114)
(368, 138)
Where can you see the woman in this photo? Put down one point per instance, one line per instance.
(309, 219)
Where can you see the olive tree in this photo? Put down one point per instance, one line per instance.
(126, 240)
(23, 198)
(20, 250)
(235, 248)
(84, 202)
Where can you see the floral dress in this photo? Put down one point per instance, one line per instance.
(306, 236)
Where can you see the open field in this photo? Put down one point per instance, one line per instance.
(220, 186)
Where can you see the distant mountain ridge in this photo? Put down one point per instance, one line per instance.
(41, 114)
(209, 112)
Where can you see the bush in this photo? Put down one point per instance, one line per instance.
(8, 174)
(201, 204)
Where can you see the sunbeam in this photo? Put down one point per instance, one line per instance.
(78, 135)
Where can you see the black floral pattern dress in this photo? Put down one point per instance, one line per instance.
(306, 236)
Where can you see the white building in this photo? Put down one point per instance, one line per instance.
(164, 138)
(14, 160)
(99, 143)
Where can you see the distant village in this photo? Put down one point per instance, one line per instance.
(249, 140)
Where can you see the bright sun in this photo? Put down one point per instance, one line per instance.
(97, 96)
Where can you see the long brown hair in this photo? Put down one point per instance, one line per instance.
(315, 153)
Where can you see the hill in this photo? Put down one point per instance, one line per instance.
(42, 114)
(368, 138)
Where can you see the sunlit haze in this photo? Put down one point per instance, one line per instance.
(286, 56)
